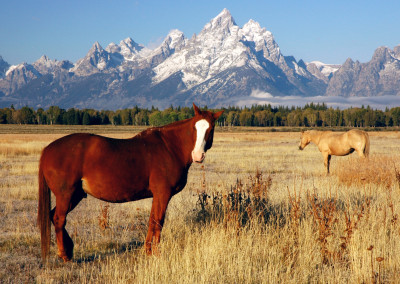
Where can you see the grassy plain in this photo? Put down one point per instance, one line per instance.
(257, 210)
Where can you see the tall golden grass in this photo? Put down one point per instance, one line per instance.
(257, 211)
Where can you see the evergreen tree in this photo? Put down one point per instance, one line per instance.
(86, 118)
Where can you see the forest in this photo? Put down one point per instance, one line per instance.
(311, 115)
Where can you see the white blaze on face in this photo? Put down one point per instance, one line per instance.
(198, 153)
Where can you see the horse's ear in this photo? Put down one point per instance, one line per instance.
(217, 114)
(197, 111)
(302, 131)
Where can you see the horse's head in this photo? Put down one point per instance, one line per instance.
(204, 123)
(305, 139)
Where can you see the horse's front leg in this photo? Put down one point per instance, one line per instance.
(327, 161)
(156, 222)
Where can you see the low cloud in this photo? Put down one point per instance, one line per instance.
(260, 94)
(261, 98)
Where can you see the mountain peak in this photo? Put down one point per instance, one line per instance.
(45, 60)
(131, 49)
(96, 47)
(224, 14)
(128, 41)
(263, 39)
(252, 23)
(222, 20)
(383, 55)
(128, 44)
(175, 33)
(175, 38)
(348, 64)
(113, 48)
(253, 29)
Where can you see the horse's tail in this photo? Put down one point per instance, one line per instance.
(44, 213)
(366, 147)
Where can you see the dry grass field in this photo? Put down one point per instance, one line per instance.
(257, 210)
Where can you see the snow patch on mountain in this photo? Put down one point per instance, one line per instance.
(326, 69)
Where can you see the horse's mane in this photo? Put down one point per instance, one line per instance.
(170, 126)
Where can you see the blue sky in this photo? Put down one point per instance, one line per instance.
(328, 31)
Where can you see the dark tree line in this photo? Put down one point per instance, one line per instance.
(311, 115)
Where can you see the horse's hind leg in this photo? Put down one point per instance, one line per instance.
(65, 204)
(361, 152)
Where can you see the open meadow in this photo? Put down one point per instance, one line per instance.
(257, 210)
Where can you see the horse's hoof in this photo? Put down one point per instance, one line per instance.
(148, 251)
(153, 251)
(63, 256)
(66, 259)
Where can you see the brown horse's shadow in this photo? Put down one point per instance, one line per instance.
(122, 248)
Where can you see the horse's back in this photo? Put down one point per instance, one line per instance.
(356, 136)
(83, 147)
(357, 132)
(334, 143)
(329, 138)
(67, 148)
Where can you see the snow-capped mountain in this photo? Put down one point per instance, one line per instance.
(220, 65)
(44, 65)
(222, 45)
(18, 76)
(129, 49)
(212, 64)
(97, 59)
(378, 77)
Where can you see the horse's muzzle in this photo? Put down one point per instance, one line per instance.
(198, 157)
(300, 148)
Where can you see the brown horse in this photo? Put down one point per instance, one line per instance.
(154, 163)
(339, 144)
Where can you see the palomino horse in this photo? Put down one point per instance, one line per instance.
(339, 144)
(154, 163)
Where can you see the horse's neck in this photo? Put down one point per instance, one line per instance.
(315, 137)
(179, 137)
